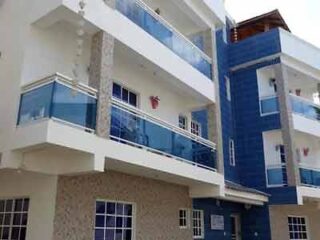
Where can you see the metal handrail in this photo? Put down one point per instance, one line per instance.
(58, 77)
(307, 101)
(139, 113)
(169, 26)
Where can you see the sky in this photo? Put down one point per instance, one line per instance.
(302, 16)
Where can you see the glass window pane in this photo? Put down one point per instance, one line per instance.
(35, 104)
(116, 90)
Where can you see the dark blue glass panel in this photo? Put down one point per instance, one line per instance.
(119, 222)
(127, 222)
(111, 221)
(127, 210)
(9, 205)
(110, 234)
(23, 233)
(35, 104)
(5, 233)
(119, 234)
(111, 208)
(127, 235)
(310, 177)
(126, 126)
(74, 107)
(100, 207)
(25, 205)
(304, 108)
(99, 234)
(18, 205)
(119, 209)
(165, 35)
(100, 221)
(276, 176)
(2, 203)
(15, 233)
(116, 91)
(17, 219)
(269, 105)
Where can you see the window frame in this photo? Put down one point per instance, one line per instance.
(12, 213)
(305, 224)
(232, 155)
(187, 218)
(129, 90)
(192, 130)
(228, 88)
(133, 217)
(201, 228)
(181, 116)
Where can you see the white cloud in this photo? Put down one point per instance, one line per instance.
(302, 16)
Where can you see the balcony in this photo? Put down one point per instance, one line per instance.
(309, 176)
(305, 108)
(269, 105)
(131, 126)
(277, 175)
(145, 17)
(56, 98)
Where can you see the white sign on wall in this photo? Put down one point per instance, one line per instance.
(217, 222)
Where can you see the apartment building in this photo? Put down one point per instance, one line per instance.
(131, 119)
(275, 88)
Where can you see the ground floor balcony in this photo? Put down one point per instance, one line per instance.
(310, 176)
(56, 134)
(132, 126)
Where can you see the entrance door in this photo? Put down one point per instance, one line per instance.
(235, 227)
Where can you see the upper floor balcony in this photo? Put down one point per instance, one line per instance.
(172, 38)
(154, 24)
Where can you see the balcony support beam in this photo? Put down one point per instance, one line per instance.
(281, 74)
(102, 56)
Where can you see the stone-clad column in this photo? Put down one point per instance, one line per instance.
(101, 66)
(287, 128)
(212, 123)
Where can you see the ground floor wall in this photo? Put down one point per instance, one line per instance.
(279, 220)
(254, 220)
(157, 205)
(41, 191)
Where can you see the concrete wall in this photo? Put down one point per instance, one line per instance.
(157, 205)
(143, 82)
(279, 220)
(41, 190)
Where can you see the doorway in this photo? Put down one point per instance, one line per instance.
(235, 227)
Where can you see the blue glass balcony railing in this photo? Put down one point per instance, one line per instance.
(56, 98)
(310, 177)
(131, 126)
(306, 108)
(277, 175)
(152, 23)
(269, 105)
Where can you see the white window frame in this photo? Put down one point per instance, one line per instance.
(186, 122)
(228, 87)
(194, 131)
(129, 91)
(200, 221)
(12, 215)
(186, 218)
(305, 224)
(134, 214)
(232, 155)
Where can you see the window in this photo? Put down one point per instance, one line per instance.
(124, 95)
(232, 159)
(183, 122)
(228, 88)
(297, 228)
(195, 128)
(114, 220)
(13, 219)
(197, 224)
(183, 218)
